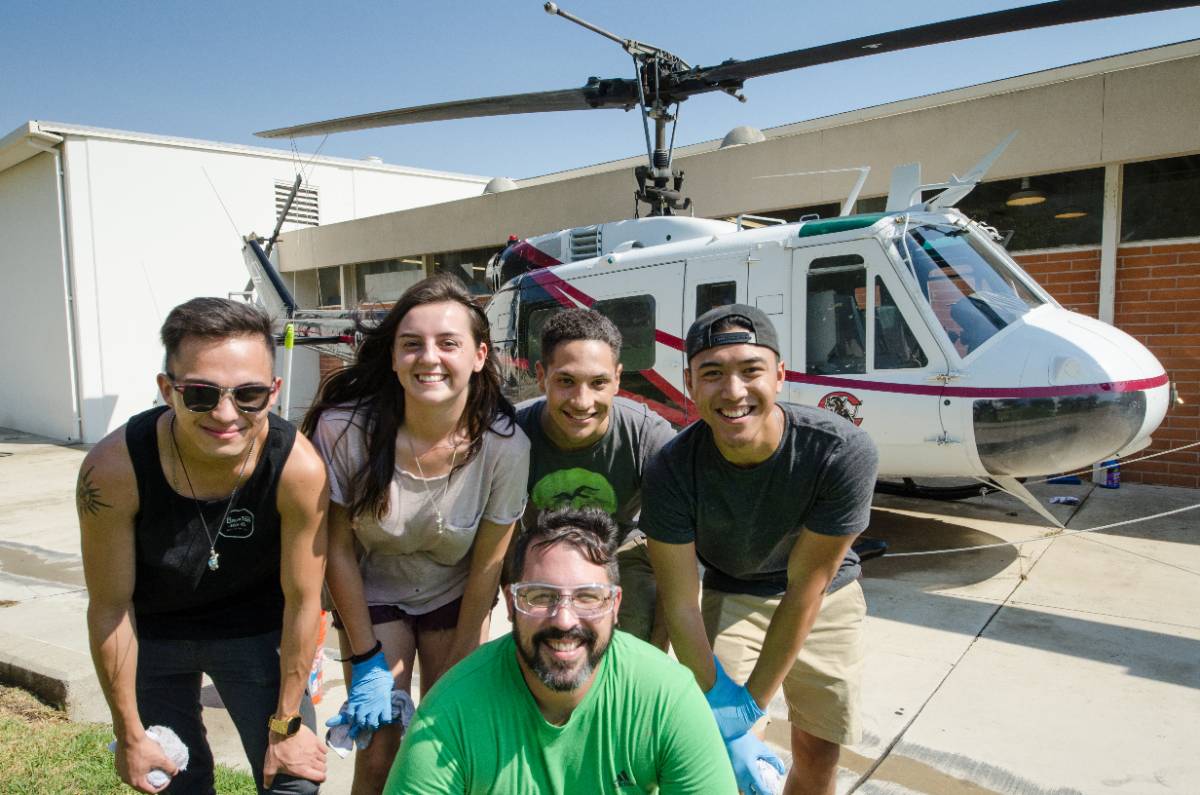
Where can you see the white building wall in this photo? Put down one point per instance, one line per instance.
(153, 225)
(36, 390)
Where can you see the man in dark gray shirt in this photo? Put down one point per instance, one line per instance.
(589, 447)
(770, 498)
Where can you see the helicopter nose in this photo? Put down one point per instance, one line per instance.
(1088, 391)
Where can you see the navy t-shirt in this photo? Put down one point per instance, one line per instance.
(745, 520)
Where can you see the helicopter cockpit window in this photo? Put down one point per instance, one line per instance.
(896, 347)
(973, 292)
(836, 331)
(713, 295)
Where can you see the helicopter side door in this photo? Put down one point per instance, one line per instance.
(648, 317)
(859, 348)
(710, 282)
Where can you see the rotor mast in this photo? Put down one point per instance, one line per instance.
(659, 184)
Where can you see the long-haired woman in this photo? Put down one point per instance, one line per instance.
(427, 477)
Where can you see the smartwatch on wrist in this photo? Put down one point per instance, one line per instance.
(285, 726)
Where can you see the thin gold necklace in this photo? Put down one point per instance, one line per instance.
(437, 509)
(213, 555)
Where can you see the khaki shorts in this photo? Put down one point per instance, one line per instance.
(822, 690)
(638, 588)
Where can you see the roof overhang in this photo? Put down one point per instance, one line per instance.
(25, 142)
(32, 137)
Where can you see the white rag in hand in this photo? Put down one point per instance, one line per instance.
(338, 738)
(172, 747)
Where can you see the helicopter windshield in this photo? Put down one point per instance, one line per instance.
(973, 292)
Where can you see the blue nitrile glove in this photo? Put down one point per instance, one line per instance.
(370, 698)
(732, 705)
(744, 753)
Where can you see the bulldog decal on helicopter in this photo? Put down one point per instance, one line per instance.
(843, 404)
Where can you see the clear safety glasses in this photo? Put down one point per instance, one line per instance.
(540, 600)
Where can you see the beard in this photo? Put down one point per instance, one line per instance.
(559, 676)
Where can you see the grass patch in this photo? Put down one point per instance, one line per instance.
(42, 752)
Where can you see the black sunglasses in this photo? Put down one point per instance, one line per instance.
(200, 398)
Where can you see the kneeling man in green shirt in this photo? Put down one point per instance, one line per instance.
(564, 704)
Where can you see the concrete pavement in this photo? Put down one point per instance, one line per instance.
(1064, 665)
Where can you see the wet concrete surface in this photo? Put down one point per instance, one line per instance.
(1063, 664)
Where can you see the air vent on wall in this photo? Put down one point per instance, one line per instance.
(306, 207)
(585, 242)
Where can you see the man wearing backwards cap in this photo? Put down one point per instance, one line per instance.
(770, 497)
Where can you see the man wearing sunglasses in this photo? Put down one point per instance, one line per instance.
(203, 534)
(563, 704)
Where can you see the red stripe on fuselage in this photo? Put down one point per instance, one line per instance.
(1065, 390)
(668, 389)
(556, 286)
(670, 340)
(534, 255)
(671, 414)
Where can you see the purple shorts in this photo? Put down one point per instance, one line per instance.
(444, 617)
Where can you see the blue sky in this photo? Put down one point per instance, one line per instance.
(221, 70)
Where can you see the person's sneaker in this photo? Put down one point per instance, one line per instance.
(867, 548)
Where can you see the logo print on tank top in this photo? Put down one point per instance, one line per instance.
(239, 524)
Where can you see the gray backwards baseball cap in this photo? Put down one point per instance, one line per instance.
(758, 329)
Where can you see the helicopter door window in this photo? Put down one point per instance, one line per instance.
(713, 295)
(836, 331)
(896, 348)
(532, 334)
(974, 293)
(634, 318)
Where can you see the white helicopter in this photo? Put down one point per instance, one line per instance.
(913, 323)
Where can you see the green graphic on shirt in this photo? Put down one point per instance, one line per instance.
(577, 488)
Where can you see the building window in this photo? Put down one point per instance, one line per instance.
(305, 208)
(329, 287)
(1069, 213)
(792, 214)
(634, 317)
(386, 280)
(469, 265)
(1160, 199)
(713, 295)
(836, 332)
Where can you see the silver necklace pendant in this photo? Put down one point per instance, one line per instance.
(213, 557)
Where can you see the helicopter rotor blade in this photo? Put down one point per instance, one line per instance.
(683, 82)
(508, 104)
(1060, 12)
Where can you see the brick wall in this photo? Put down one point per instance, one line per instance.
(326, 364)
(1072, 277)
(1158, 303)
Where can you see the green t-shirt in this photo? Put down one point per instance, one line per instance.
(644, 726)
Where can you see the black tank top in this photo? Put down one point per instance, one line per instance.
(175, 595)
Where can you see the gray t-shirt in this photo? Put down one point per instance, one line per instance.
(406, 559)
(745, 520)
(608, 474)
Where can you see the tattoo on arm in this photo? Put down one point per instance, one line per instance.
(87, 496)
